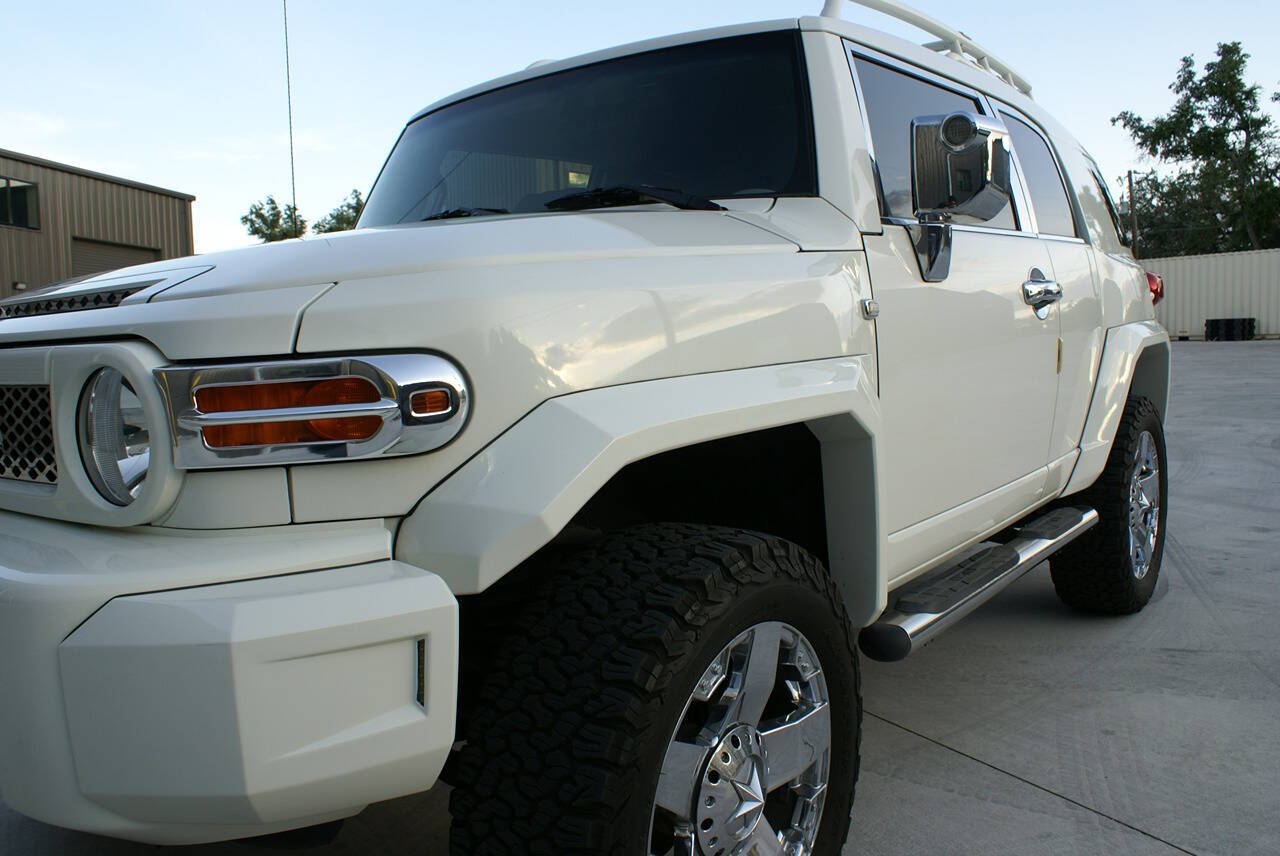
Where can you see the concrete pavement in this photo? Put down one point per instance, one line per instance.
(1030, 729)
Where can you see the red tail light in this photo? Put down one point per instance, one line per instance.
(1155, 282)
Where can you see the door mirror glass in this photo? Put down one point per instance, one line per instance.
(959, 166)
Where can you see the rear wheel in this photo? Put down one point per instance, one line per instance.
(1114, 567)
(674, 689)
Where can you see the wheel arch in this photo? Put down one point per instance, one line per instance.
(1135, 361)
(666, 450)
(1151, 375)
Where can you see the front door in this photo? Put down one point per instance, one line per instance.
(968, 370)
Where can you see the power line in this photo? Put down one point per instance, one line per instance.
(288, 89)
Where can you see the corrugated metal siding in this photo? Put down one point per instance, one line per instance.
(1225, 285)
(87, 207)
(89, 257)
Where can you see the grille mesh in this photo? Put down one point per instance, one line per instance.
(26, 435)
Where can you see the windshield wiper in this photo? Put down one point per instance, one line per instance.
(630, 194)
(465, 212)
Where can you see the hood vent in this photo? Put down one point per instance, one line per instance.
(27, 306)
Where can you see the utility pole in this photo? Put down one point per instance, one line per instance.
(288, 89)
(1133, 216)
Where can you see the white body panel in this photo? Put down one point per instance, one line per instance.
(967, 375)
(511, 499)
(707, 308)
(64, 736)
(237, 681)
(1081, 332)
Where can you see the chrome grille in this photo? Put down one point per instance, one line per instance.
(26, 435)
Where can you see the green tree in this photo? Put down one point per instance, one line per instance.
(1174, 216)
(268, 221)
(343, 217)
(1221, 190)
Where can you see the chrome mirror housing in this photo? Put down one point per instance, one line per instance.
(960, 166)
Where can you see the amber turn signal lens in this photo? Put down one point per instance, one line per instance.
(284, 396)
(430, 402)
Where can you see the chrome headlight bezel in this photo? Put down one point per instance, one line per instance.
(396, 377)
(116, 463)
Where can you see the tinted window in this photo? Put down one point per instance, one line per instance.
(727, 118)
(893, 99)
(1044, 181)
(19, 203)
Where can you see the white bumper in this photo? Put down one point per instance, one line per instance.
(240, 693)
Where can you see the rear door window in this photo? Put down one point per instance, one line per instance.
(1043, 178)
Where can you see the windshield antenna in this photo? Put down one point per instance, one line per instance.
(288, 90)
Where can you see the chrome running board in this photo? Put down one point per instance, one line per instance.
(927, 606)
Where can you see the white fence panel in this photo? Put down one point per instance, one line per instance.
(1224, 285)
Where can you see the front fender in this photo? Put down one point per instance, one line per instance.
(519, 492)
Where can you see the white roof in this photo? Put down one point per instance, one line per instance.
(960, 61)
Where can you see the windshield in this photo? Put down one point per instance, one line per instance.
(720, 119)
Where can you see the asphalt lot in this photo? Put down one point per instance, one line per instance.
(1030, 729)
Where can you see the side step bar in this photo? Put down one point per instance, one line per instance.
(931, 604)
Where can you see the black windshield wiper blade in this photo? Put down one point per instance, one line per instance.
(465, 212)
(630, 194)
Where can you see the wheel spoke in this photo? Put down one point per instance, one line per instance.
(1149, 484)
(758, 675)
(792, 747)
(763, 841)
(1141, 557)
(679, 777)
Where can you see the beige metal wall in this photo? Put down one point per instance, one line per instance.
(1225, 285)
(79, 204)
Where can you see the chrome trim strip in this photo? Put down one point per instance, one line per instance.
(967, 227)
(397, 377)
(290, 414)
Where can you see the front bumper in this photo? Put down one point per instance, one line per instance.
(189, 688)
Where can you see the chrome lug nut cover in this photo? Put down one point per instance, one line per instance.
(733, 790)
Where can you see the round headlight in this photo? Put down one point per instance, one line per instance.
(115, 437)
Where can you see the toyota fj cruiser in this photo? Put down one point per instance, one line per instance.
(652, 384)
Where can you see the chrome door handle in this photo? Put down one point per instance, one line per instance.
(1039, 292)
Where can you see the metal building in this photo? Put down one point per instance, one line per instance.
(59, 221)
(1222, 285)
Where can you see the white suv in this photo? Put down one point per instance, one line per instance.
(652, 384)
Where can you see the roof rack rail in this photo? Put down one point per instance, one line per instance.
(953, 43)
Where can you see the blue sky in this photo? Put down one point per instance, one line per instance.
(191, 95)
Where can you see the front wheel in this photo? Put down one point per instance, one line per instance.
(674, 689)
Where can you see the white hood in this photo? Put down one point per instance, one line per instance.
(250, 301)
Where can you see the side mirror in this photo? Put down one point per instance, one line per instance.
(960, 166)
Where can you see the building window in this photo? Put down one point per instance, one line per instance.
(19, 203)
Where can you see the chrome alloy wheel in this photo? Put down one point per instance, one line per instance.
(1144, 505)
(745, 772)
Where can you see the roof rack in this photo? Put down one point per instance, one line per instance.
(953, 43)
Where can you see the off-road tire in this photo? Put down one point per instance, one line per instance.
(566, 738)
(1095, 572)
